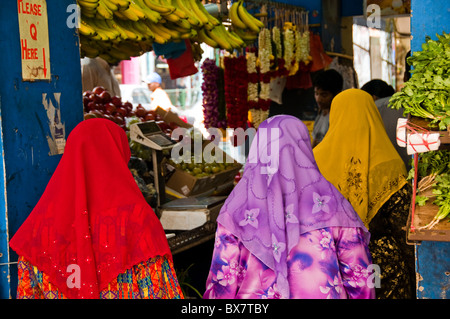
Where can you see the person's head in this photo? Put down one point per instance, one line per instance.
(378, 89)
(153, 81)
(327, 85)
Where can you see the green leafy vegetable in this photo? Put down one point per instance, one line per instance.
(434, 172)
(427, 92)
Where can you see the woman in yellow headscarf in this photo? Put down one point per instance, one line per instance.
(358, 158)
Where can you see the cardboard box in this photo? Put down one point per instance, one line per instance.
(171, 117)
(189, 185)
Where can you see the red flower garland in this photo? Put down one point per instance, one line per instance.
(236, 82)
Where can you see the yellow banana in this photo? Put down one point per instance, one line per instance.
(118, 54)
(86, 29)
(113, 26)
(193, 19)
(130, 33)
(152, 4)
(128, 14)
(103, 11)
(203, 37)
(88, 4)
(150, 14)
(101, 23)
(177, 27)
(234, 16)
(160, 36)
(143, 29)
(194, 5)
(121, 4)
(246, 35)
(211, 19)
(136, 10)
(172, 17)
(128, 47)
(111, 5)
(217, 36)
(232, 37)
(181, 6)
(100, 34)
(184, 23)
(248, 19)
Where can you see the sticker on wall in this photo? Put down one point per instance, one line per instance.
(57, 138)
(34, 42)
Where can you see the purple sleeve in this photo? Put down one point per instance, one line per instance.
(355, 263)
(224, 274)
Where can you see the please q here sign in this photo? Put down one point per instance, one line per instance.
(34, 42)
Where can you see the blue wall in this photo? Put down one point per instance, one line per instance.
(24, 122)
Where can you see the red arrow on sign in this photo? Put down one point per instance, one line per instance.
(45, 68)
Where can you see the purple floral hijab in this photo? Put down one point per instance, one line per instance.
(281, 195)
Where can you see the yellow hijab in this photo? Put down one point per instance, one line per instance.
(356, 155)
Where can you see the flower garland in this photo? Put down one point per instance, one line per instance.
(280, 65)
(211, 99)
(252, 90)
(302, 47)
(264, 53)
(289, 47)
(236, 85)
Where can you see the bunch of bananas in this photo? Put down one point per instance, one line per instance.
(245, 25)
(119, 29)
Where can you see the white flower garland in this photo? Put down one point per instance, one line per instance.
(289, 46)
(252, 89)
(276, 37)
(302, 49)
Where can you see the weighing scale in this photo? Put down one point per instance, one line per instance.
(183, 213)
(151, 135)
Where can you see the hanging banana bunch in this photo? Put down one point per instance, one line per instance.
(119, 29)
(245, 25)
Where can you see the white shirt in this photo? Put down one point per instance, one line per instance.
(160, 98)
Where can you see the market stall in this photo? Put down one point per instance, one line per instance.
(425, 133)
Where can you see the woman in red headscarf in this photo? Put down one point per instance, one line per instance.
(92, 234)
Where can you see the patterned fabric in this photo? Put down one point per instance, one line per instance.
(389, 248)
(357, 156)
(152, 279)
(328, 263)
(281, 195)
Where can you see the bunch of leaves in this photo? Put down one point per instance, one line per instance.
(427, 93)
(434, 172)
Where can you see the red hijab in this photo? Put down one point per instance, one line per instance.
(92, 219)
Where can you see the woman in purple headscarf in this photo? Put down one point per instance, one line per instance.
(285, 231)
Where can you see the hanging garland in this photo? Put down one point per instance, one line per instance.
(289, 47)
(211, 95)
(236, 86)
(253, 80)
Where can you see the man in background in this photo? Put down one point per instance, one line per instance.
(327, 85)
(97, 72)
(158, 97)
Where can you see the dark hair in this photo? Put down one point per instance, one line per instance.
(329, 80)
(378, 88)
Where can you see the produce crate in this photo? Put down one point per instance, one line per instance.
(190, 185)
(422, 216)
(171, 117)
